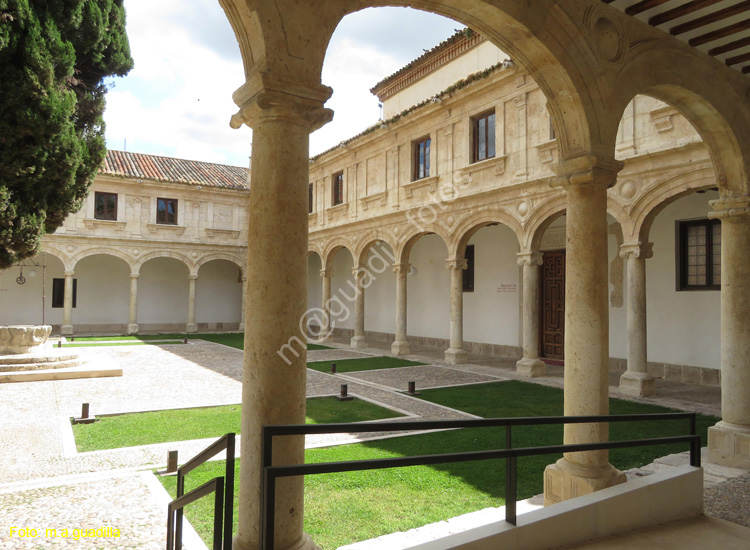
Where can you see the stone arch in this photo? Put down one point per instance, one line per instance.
(200, 262)
(106, 252)
(540, 219)
(330, 250)
(659, 197)
(58, 253)
(473, 223)
(718, 113)
(404, 246)
(363, 246)
(280, 46)
(192, 270)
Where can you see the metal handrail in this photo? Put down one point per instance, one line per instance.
(216, 485)
(226, 442)
(270, 473)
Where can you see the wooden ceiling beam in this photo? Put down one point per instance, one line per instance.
(741, 43)
(714, 17)
(680, 11)
(644, 5)
(720, 33)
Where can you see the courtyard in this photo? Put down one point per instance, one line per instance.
(47, 484)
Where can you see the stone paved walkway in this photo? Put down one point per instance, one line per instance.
(45, 484)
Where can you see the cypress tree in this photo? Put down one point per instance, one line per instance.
(54, 57)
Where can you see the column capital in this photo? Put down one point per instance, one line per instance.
(636, 250)
(69, 272)
(264, 97)
(586, 170)
(401, 268)
(326, 273)
(727, 208)
(530, 258)
(135, 275)
(457, 264)
(192, 277)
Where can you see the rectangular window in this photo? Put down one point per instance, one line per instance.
(483, 137)
(105, 206)
(699, 255)
(469, 271)
(310, 198)
(421, 159)
(166, 211)
(552, 133)
(58, 292)
(337, 188)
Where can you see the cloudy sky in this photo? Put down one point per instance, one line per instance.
(177, 101)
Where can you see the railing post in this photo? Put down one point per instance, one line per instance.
(178, 521)
(218, 516)
(268, 508)
(511, 490)
(229, 493)
(170, 527)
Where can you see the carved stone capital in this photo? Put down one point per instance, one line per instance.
(586, 170)
(135, 275)
(401, 268)
(636, 250)
(530, 258)
(326, 273)
(456, 264)
(69, 273)
(263, 97)
(727, 208)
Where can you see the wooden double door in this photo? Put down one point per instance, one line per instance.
(552, 304)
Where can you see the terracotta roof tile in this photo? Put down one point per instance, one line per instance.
(191, 172)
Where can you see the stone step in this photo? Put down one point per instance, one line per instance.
(47, 357)
(47, 365)
(69, 373)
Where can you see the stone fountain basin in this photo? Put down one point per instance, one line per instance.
(22, 339)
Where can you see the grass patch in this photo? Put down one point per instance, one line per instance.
(365, 363)
(231, 339)
(344, 508)
(127, 430)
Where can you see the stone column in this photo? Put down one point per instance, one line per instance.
(274, 373)
(636, 380)
(401, 345)
(729, 440)
(67, 324)
(359, 340)
(133, 320)
(326, 328)
(585, 180)
(455, 354)
(530, 365)
(191, 326)
(244, 299)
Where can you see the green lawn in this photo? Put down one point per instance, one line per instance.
(231, 339)
(127, 430)
(344, 508)
(365, 363)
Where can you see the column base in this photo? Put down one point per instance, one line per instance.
(358, 342)
(454, 356)
(531, 368)
(241, 328)
(132, 328)
(564, 480)
(637, 384)
(400, 347)
(191, 327)
(66, 330)
(729, 445)
(304, 543)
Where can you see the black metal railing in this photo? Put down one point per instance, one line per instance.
(223, 498)
(271, 473)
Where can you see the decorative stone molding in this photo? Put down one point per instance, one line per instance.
(340, 210)
(326, 273)
(17, 339)
(636, 250)
(401, 268)
(456, 264)
(211, 233)
(92, 223)
(530, 258)
(553, 238)
(662, 118)
(586, 170)
(545, 151)
(430, 183)
(730, 207)
(498, 163)
(156, 228)
(365, 201)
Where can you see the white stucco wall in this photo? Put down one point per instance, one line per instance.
(103, 291)
(342, 292)
(22, 304)
(314, 283)
(163, 292)
(683, 326)
(218, 293)
(380, 295)
(428, 289)
(491, 311)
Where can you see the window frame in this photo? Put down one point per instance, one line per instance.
(475, 123)
(107, 216)
(421, 170)
(681, 252)
(467, 284)
(337, 188)
(310, 198)
(158, 211)
(58, 292)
